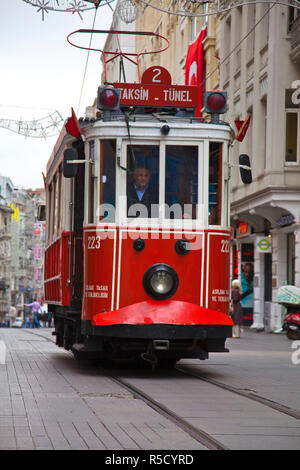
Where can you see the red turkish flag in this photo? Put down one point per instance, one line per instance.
(72, 126)
(242, 127)
(194, 67)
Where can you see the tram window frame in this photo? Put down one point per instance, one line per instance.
(55, 209)
(107, 155)
(140, 164)
(196, 213)
(161, 216)
(52, 208)
(49, 211)
(91, 182)
(59, 200)
(219, 183)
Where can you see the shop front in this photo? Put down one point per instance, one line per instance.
(265, 256)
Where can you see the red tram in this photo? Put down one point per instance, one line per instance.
(138, 238)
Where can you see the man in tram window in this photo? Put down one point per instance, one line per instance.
(141, 195)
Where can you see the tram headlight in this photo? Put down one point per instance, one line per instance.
(160, 281)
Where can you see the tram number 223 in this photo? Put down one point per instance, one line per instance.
(225, 246)
(94, 242)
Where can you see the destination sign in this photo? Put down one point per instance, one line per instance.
(140, 94)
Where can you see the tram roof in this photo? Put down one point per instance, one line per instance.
(185, 123)
(153, 122)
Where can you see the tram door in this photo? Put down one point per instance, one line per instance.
(78, 213)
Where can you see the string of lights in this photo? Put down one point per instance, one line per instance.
(47, 126)
(66, 6)
(190, 7)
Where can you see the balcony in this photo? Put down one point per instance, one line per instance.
(295, 41)
(5, 233)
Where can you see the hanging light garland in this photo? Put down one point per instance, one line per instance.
(48, 126)
(191, 8)
(66, 6)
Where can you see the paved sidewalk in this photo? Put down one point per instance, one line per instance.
(50, 401)
(266, 363)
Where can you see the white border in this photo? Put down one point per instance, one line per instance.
(202, 233)
(114, 231)
(208, 253)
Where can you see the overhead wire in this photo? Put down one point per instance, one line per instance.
(211, 73)
(88, 56)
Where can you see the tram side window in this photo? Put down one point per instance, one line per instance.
(55, 205)
(108, 180)
(215, 183)
(181, 181)
(58, 200)
(49, 211)
(92, 182)
(143, 181)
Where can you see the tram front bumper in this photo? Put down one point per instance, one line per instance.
(169, 319)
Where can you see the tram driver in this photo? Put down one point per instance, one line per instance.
(141, 195)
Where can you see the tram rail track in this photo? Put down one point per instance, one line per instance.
(244, 393)
(199, 435)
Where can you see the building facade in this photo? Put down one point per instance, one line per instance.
(180, 31)
(5, 259)
(260, 69)
(22, 240)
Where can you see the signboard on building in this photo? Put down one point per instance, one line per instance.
(285, 220)
(244, 230)
(264, 244)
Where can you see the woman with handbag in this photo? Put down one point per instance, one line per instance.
(236, 313)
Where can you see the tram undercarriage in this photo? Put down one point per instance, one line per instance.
(156, 344)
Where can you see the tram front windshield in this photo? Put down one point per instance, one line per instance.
(181, 186)
(181, 181)
(174, 194)
(167, 181)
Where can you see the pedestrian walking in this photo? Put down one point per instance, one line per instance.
(2, 318)
(237, 312)
(44, 315)
(35, 310)
(12, 314)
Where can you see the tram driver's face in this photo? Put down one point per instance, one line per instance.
(141, 177)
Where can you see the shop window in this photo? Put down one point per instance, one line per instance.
(291, 137)
(292, 16)
(290, 259)
(268, 277)
(292, 128)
